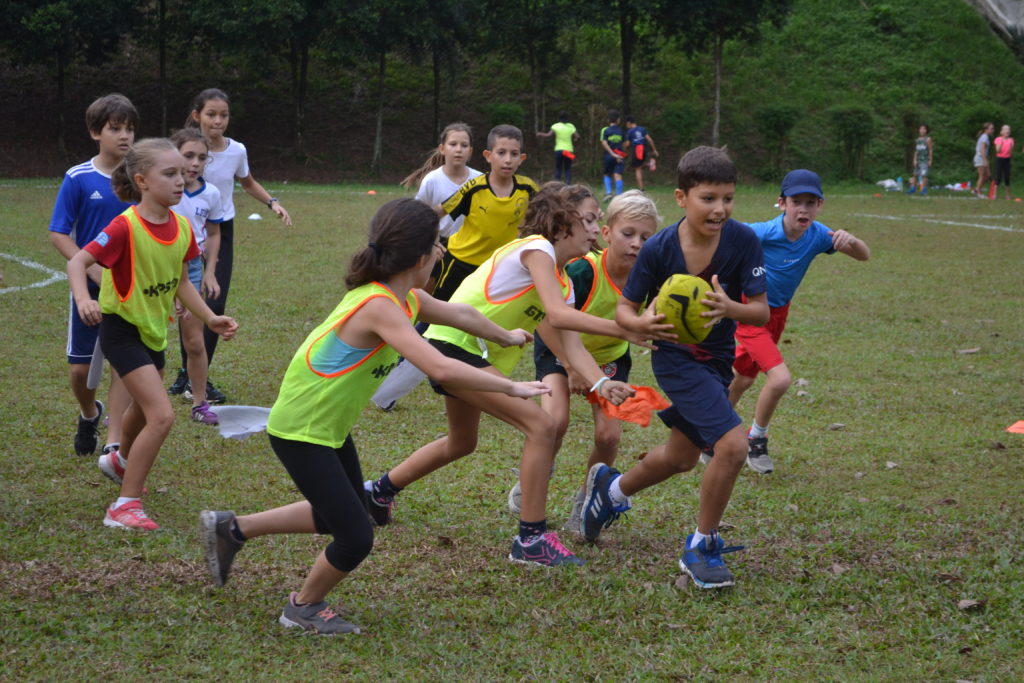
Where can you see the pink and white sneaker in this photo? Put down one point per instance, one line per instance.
(129, 516)
(112, 465)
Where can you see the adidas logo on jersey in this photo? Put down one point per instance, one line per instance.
(95, 195)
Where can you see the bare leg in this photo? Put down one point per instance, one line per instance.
(321, 579)
(720, 477)
(777, 383)
(78, 373)
(738, 387)
(195, 349)
(147, 423)
(607, 434)
(294, 518)
(118, 399)
(679, 454)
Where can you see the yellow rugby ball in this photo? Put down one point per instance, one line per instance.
(679, 300)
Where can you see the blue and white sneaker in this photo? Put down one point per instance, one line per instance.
(599, 511)
(704, 562)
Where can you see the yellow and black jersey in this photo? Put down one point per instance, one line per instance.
(490, 221)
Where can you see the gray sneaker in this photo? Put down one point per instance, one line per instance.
(757, 455)
(219, 546)
(515, 494)
(315, 617)
(573, 523)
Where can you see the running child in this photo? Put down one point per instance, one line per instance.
(144, 253)
(85, 205)
(493, 205)
(923, 150)
(981, 162)
(597, 282)
(612, 141)
(641, 149)
(521, 284)
(444, 172)
(726, 253)
(228, 162)
(1004, 152)
(790, 242)
(326, 386)
(201, 205)
(565, 135)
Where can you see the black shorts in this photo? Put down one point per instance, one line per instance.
(1003, 171)
(457, 353)
(453, 272)
(123, 348)
(612, 164)
(548, 364)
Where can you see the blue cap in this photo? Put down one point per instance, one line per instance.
(801, 181)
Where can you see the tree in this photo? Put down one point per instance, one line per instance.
(703, 25)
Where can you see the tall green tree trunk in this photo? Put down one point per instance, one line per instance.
(377, 139)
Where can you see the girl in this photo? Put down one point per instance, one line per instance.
(520, 284)
(981, 157)
(325, 388)
(201, 205)
(444, 172)
(143, 252)
(923, 149)
(597, 281)
(228, 162)
(1004, 151)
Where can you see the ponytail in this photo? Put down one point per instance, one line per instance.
(139, 159)
(402, 231)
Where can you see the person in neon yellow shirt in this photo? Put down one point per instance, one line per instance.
(565, 135)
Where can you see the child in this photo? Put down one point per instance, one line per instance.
(597, 281)
(522, 283)
(326, 386)
(493, 205)
(565, 134)
(144, 252)
(85, 205)
(201, 205)
(923, 149)
(1004, 151)
(695, 377)
(790, 242)
(612, 139)
(641, 149)
(981, 157)
(228, 162)
(442, 175)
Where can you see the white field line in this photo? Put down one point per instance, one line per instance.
(983, 226)
(54, 275)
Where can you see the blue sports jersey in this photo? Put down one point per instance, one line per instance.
(737, 261)
(787, 261)
(637, 135)
(613, 135)
(85, 204)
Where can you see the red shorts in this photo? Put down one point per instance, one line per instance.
(757, 348)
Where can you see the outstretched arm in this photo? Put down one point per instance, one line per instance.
(256, 190)
(223, 325)
(850, 245)
(468, 319)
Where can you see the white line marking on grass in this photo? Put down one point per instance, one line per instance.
(1003, 228)
(55, 275)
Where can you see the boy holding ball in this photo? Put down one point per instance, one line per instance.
(695, 377)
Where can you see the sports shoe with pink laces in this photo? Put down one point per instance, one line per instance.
(546, 550)
(203, 413)
(129, 516)
(112, 465)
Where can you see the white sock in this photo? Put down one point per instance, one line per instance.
(697, 538)
(121, 500)
(756, 431)
(615, 493)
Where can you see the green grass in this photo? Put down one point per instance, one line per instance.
(853, 569)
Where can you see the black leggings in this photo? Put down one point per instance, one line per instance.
(225, 259)
(332, 482)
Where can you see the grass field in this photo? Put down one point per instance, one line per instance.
(861, 546)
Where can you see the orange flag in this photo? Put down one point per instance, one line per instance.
(637, 408)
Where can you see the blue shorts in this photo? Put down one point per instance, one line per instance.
(547, 363)
(699, 392)
(81, 337)
(613, 164)
(195, 273)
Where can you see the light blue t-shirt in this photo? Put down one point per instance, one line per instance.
(85, 204)
(786, 261)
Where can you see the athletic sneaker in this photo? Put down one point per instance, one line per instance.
(219, 545)
(706, 454)
(112, 464)
(757, 455)
(545, 550)
(600, 511)
(575, 517)
(202, 413)
(315, 617)
(213, 394)
(180, 383)
(704, 562)
(381, 508)
(515, 494)
(87, 437)
(129, 516)
(387, 408)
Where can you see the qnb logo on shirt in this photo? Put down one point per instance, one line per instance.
(382, 371)
(161, 288)
(758, 271)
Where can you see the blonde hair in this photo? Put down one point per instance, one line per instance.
(632, 204)
(139, 159)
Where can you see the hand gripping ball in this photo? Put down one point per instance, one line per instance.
(679, 300)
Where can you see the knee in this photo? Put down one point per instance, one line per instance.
(606, 441)
(544, 427)
(347, 552)
(780, 379)
(459, 447)
(160, 419)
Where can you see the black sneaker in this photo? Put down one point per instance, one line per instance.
(381, 508)
(180, 383)
(87, 437)
(757, 455)
(219, 545)
(214, 395)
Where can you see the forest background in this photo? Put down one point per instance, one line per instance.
(356, 90)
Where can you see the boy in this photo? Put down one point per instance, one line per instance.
(641, 149)
(612, 139)
(790, 242)
(85, 205)
(695, 377)
(493, 205)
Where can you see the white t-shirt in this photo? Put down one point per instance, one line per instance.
(511, 277)
(201, 207)
(222, 169)
(437, 187)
